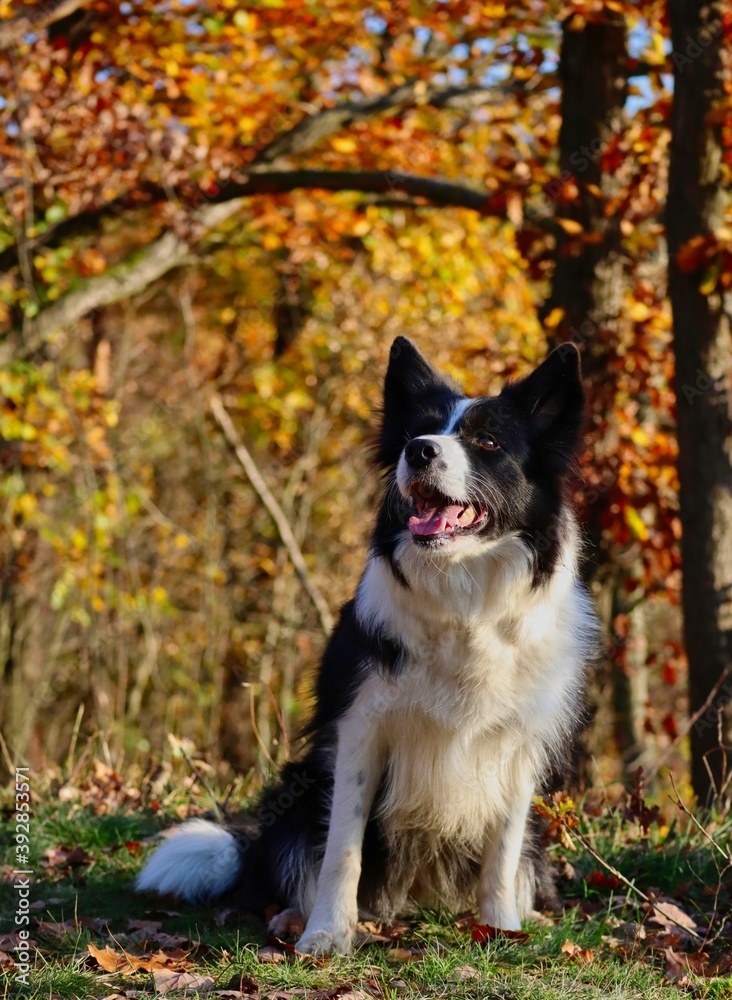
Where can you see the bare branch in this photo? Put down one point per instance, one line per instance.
(658, 906)
(140, 270)
(433, 189)
(313, 129)
(274, 509)
(303, 136)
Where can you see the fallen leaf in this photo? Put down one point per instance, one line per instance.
(464, 921)
(109, 959)
(149, 926)
(600, 880)
(464, 972)
(669, 915)
(96, 924)
(9, 942)
(680, 964)
(115, 961)
(483, 932)
(66, 857)
(55, 928)
(241, 985)
(577, 954)
(167, 980)
(366, 934)
(676, 971)
(404, 954)
(271, 955)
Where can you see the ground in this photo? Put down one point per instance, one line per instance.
(93, 937)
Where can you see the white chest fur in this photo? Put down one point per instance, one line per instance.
(485, 688)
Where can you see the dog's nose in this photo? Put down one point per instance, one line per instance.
(420, 452)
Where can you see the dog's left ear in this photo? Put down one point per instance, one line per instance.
(552, 398)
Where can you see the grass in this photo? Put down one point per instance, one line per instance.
(93, 903)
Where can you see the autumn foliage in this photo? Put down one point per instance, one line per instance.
(252, 199)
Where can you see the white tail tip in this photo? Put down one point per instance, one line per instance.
(198, 860)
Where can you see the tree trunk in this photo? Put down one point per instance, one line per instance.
(588, 276)
(588, 284)
(586, 299)
(703, 348)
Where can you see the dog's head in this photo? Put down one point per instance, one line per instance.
(472, 470)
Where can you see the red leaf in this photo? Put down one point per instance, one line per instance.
(483, 932)
(599, 880)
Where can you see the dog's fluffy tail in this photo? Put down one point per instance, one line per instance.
(198, 861)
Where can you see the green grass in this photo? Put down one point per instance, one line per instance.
(679, 864)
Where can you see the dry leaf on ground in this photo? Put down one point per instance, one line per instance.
(670, 916)
(116, 961)
(167, 980)
(57, 858)
(465, 972)
(577, 954)
(483, 932)
(271, 955)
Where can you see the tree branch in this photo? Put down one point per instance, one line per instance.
(302, 137)
(31, 20)
(313, 129)
(274, 509)
(434, 190)
(140, 270)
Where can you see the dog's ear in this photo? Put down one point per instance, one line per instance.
(411, 386)
(552, 399)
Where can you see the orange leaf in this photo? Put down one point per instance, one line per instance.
(570, 226)
(577, 954)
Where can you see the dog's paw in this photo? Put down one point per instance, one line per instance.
(287, 923)
(325, 942)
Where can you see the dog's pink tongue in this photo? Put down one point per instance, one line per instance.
(433, 520)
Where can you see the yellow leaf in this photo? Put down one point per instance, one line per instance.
(342, 144)
(636, 524)
(181, 541)
(570, 226)
(27, 504)
(78, 539)
(554, 318)
(639, 312)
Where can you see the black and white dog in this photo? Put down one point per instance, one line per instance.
(451, 687)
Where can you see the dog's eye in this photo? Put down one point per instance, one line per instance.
(489, 443)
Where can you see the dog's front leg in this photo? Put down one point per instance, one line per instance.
(332, 922)
(497, 892)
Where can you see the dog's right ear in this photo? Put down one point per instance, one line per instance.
(411, 385)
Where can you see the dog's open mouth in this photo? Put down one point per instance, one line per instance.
(439, 517)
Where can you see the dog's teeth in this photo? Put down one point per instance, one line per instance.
(467, 514)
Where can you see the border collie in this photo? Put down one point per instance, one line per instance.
(451, 688)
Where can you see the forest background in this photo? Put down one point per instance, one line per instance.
(216, 216)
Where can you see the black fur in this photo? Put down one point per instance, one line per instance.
(536, 423)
